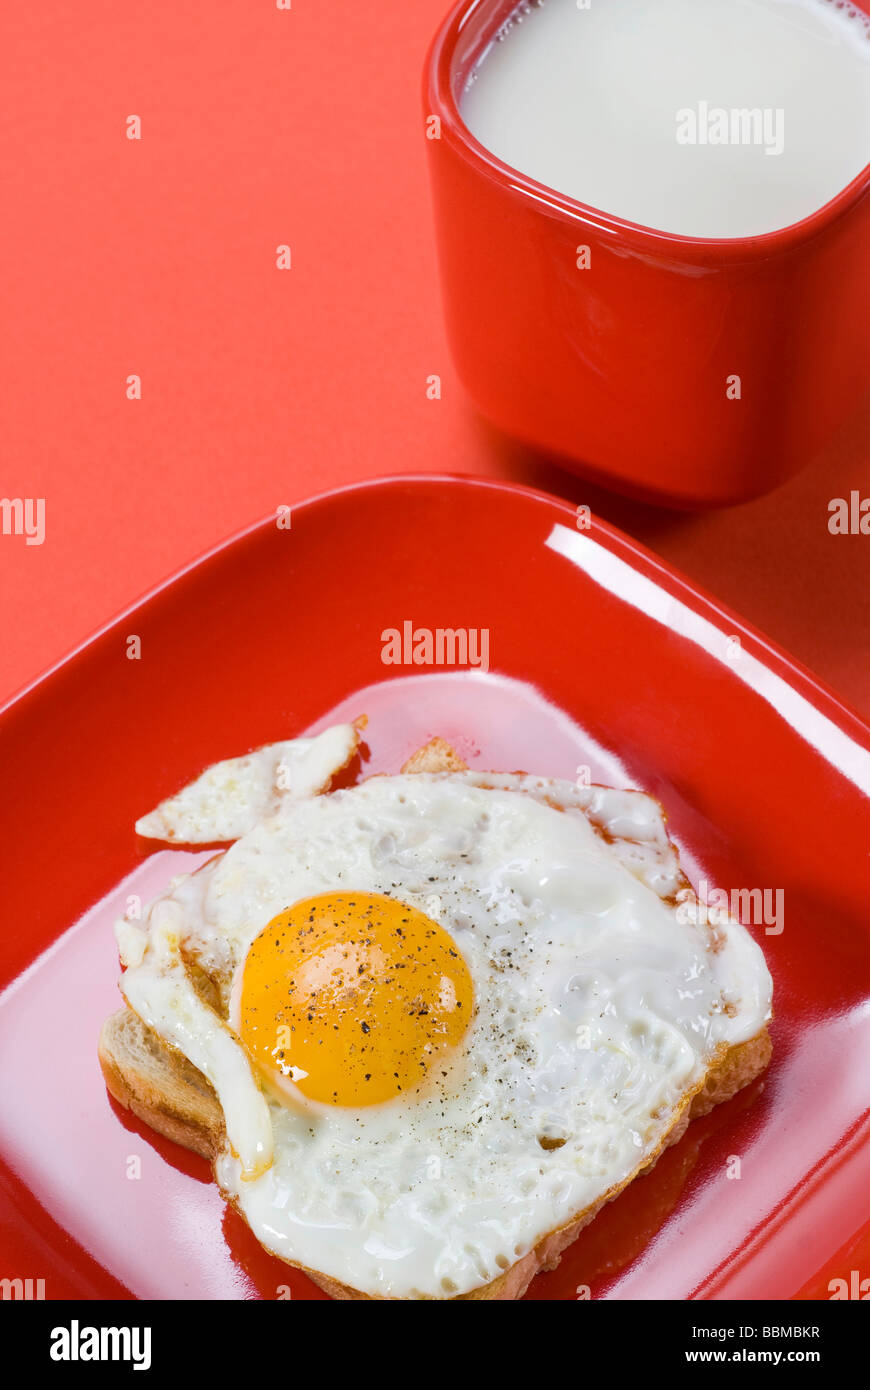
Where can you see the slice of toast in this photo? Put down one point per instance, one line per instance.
(164, 1090)
(160, 1085)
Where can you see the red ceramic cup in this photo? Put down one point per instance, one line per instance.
(623, 368)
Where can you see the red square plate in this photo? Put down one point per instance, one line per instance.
(599, 656)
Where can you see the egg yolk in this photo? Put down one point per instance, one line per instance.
(353, 998)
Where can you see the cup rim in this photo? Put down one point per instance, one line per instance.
(440, 101)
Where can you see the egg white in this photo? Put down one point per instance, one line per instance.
(597, 1009)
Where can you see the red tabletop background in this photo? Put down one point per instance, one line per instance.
(157, 257)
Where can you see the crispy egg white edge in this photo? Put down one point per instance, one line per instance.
(231, 797)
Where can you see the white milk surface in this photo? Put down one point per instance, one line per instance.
(709, 118)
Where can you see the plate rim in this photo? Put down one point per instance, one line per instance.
(661, 572)
(812, 686)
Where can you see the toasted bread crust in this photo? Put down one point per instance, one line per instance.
(159, 1085)
(435, 756)
(164, 1090)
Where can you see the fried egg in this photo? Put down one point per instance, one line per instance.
(455, 1011)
